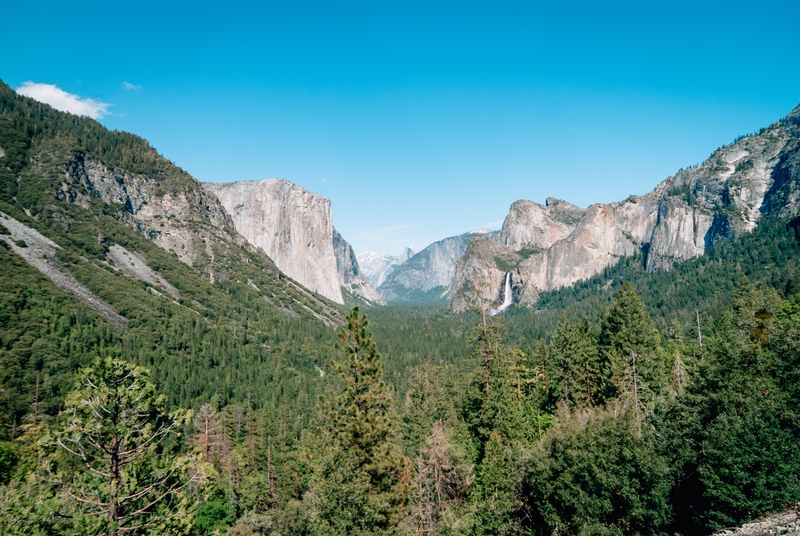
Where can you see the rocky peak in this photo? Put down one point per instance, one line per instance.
(350, 276)
(185, 220)
(558, 244)
(425, 276)
(376, 266)
(530, 225)
(405, 255)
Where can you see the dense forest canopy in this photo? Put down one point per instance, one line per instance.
(629, 403)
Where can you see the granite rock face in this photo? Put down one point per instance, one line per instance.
(428, 275)
(726, 195)
(350, 276)
(376, 266)
(530, 225)
(291, 225)
(185, 219)
(478, 276)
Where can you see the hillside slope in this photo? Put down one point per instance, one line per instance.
(141, 242)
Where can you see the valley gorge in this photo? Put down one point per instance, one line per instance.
(645, 382)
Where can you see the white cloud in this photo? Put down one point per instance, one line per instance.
(61, 100)
(323, 179)
(128, 85)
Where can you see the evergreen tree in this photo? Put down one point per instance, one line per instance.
(495, 414)
(119, 471)
(362, 481)
(492, 402)
(596, 477)
(495, 491)
(627, 334)
(576, 373)
(740, 416)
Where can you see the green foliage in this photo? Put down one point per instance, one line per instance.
(744, 165)
(114, 460)
(494, 493)
(597, 478)
(359, 486)
(214, 514)
(683, 192)
(8, 461)
(579, 417)
(494, 402)
(739, 417)
(627, 332)
(575, 372)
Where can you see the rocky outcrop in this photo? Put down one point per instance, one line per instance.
(428, 275)
(350, 276)
(478, 275)
(376, 266)
(291, 225)
(785, 523)
(135, 266)
(724, 196)
(186, 221)
(530, 225)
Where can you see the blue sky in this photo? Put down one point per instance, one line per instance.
(421, 120)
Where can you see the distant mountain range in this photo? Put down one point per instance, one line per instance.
(214, 227)
(546, 247)
(377, 266)
(418, 278)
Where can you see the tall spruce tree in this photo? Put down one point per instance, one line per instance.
(576, 373)
(628, 338)
(495, 414)
(362, 481)
(492, 402)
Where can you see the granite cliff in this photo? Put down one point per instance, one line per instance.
(178, 214)
(376, 267)
(294, 227)
(351, 279)
(543, 249)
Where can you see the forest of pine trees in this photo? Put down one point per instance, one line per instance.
(607, 428)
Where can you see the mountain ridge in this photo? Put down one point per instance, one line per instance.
(726, 195)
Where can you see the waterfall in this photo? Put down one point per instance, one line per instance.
(508, 295)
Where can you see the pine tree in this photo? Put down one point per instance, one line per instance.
(492, 402)
(494, 492)
(361, 483)
(625, 330)
(495, 414)
(576, 365)
(114, 429)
